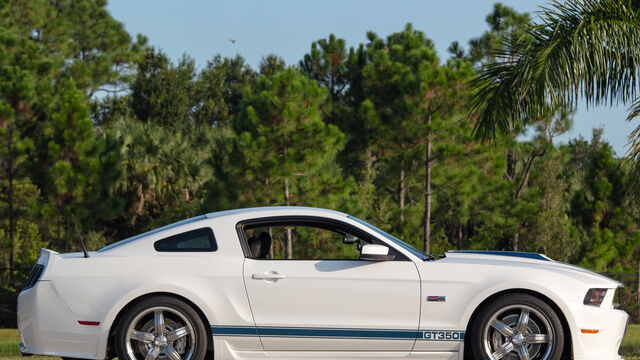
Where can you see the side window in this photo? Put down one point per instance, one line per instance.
(307, 242)
(190, 241)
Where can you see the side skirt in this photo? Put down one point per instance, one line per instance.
(332, 355)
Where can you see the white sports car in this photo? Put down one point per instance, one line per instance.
(219, 285)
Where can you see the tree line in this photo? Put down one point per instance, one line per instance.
(103, 137)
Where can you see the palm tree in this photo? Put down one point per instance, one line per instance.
(586, 49)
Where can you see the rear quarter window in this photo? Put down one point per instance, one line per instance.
(191, 241)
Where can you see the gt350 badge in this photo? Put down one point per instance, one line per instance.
(442, 335)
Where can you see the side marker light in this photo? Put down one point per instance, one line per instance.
(90, 323)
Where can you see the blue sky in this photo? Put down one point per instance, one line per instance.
(204, 28)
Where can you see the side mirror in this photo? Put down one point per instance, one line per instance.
(373, 252)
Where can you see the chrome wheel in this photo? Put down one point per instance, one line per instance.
(518, 332)
(162, 333)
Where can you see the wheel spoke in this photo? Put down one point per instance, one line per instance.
(502, 328)
(141, 336)
(178, 333)
(537, 338)
(523, 353)
(153, 353)
(159, 321)
(502, 351)
(172, 353)
(523, 321)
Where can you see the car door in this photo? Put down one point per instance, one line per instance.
(324, 298)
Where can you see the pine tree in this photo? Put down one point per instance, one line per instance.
(163, 93)
(284, 151)
(220, 86)
(408, 95)
(505, 24)
(599, 206)
(71, 167)
(326, 64)
(99, 54)
(25, 78)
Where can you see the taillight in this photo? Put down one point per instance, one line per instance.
(33, 277)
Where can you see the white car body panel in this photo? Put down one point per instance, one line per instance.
(321, 309)
(335, 294)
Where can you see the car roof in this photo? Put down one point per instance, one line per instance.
(275, 210)
(245, 213)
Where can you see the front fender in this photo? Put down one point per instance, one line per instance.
(512, 287)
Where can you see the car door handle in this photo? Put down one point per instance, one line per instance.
(270, 275)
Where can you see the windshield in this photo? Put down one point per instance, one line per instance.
(392, 238)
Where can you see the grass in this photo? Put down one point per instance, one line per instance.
(630, 346)
(9, 349)
(9, 340)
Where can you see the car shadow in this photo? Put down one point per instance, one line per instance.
(338, 265)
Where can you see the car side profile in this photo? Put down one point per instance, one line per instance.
(308, 283)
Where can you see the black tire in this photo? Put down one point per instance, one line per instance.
(517, 323)
(161, 325)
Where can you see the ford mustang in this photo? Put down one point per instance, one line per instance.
(294, 283)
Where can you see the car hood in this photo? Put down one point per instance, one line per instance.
(529, 261)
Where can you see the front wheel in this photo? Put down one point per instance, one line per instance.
(517, 327)
(161, 328)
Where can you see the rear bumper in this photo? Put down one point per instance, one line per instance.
(48, 327)
(22, 350)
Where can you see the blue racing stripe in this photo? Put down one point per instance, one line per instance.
(525, 255)
(338, 333)
(234, 330)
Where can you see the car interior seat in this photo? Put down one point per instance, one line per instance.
(254, 247)
(265, 244)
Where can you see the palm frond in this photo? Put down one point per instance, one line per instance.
(633, 155)
(581, 48)
(634, 109)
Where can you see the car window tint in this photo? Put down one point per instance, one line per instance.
(194, 240)
(307, 243)
(148, 233)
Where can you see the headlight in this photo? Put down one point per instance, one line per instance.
(595, 296)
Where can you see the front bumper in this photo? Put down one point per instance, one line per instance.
(48, 327)
(605, 344)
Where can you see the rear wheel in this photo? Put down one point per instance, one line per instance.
(162, 328)
(517, 327)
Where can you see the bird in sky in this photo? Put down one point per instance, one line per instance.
(233, 41)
